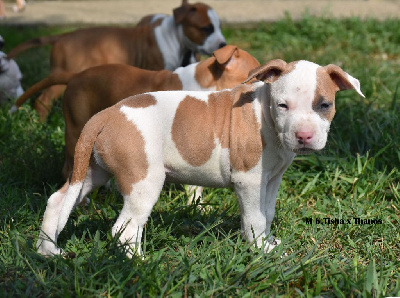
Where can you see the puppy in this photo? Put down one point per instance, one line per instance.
(10, 79)
(243, 138)
(162, 45)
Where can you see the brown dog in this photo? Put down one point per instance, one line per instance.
(99, 87)
(162, 45)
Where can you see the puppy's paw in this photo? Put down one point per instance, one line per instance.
(271, 243)
(48, 249)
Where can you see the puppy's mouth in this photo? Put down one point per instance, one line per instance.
(304, 150)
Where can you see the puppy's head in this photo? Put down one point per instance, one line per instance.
(201, 27)
(302, 103)
(231, 66)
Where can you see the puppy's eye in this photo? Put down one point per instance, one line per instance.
(283, 106)
(208, 29)
(325, 106)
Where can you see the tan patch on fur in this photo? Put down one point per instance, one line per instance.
(229, 116)
(84, 48)
(228, 71)
(64, 188)
(121, 147)
(166, 80)
(197, 124)
(142, 101)
(246, 140)
(84, 146)
(100, 87)
(325, 94)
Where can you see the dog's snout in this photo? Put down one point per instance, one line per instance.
(222, 44)
(304, 137)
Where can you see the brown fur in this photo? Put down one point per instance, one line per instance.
(197, 124)
(228, 61)
(325, 93)
(100, 87)
(192, 25)
(143, 102)
(124, 156)
(226, 115)
(246, 139)
(78, 50)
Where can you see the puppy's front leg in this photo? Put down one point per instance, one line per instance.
(257, 208)
(272, 187)
(251, 199)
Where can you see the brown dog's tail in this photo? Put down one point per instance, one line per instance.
(83, 153)
(33, 43)
(57, 78)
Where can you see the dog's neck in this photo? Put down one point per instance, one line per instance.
(172, 43)
(190, 75)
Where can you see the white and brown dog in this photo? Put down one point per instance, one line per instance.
(163, 45)
(100, 87)
(245, 138)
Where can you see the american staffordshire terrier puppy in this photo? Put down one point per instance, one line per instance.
(243, 138)
(100, 87)
(163, 45)
(10, 79)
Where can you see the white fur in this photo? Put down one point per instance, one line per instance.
(10, 79)
(187, 76)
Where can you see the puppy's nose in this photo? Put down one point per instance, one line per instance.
(304, 137)
(222, 44)
(1, 44)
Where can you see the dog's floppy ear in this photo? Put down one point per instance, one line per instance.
(181, 12)
(342, 79)
(223, 55)
(268, 72)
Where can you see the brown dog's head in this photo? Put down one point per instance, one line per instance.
(200, 27)
(227, 67)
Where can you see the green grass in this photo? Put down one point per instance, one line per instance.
(193, 252)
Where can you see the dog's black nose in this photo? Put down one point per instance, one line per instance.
(1, 44)
(221, 45)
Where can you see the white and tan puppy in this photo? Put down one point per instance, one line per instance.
(244, 138)
(163, 45)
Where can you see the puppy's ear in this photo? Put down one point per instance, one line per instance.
(182, 11)
(223, 55)
(268, 72)
(342, 79)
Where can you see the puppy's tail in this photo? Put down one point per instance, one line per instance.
(33, 43)
(83, 153)
(57, 78)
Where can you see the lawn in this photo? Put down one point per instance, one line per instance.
(338, 211)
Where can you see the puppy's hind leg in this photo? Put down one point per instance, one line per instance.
(138, 204)
(58, 208)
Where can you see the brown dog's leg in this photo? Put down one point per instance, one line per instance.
(45, 101)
